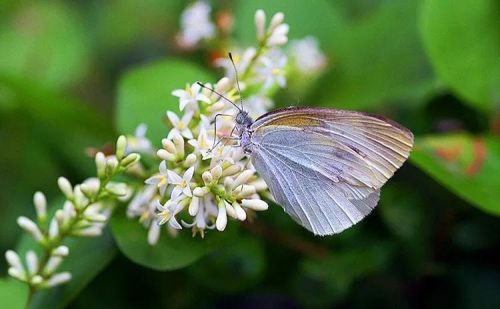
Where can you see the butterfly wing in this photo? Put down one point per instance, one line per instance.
(325, 166)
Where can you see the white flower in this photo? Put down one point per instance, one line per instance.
(189, 97)
(160, 180)
(182, 184)
(139, 142)
(196, 24)
(201, 144)
(307, 55)
(180, 126)
(168, 212)
(272, 69)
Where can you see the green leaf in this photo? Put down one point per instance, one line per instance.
(170, 252)
(13, 294)
(467, 165)
(66, 125)
(462, 38)
(144, 94)
(44, 41)
(232, 268)
(378, 59)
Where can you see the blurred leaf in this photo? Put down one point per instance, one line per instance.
(233, 268)
(462, 38)
(44, 41)
(144, 94)
(467, 165)
(13, 294)
(401, 211)
(328, 280)
(170, 252)
(121, 24)
(378, 59)
(62, 124)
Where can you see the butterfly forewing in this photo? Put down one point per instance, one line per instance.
(325, 166)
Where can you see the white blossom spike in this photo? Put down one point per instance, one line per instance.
(40, 203)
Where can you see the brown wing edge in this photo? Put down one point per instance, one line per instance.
(318, 110)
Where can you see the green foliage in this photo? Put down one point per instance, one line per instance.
(13, 294)
(34, 46)
(232, 268)
(144, 94)
(462, 38)
(170, 252)
(467, 165)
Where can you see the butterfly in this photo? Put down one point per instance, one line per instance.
(325, 167)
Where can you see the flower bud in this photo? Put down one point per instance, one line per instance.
(240, 212)
(65, 187)
(276, 20)
(40, 206)
(30, 227)
(200, 191)
(130, 160)
(121, 144)
(165, 155)
(100, 163)
(255, 204)
(168, 145)
(221, 221)
(260, 24)
(58, 279)
(194, 205)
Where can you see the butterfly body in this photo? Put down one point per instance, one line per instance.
(325, 167)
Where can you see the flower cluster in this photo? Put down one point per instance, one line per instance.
(197, 185)
(83, 214)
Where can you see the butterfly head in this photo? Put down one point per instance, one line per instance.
(243, 120)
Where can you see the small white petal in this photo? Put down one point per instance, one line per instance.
(53, 228)
(276, 20)
(32, 262)
(61, 251)
(173, 177)
(254, 204)
(174, 119)
(240, 212)
(52, 264)
(260, 23)
(194, 205)
(65, 187)
(153, 234)
(30, 226)
(14, 260)
(221, 221)
(58, 279)
(40, 205)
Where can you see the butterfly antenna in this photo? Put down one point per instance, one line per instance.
(237, 81)
(219, 94)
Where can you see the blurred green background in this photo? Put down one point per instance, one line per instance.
(74, 74)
